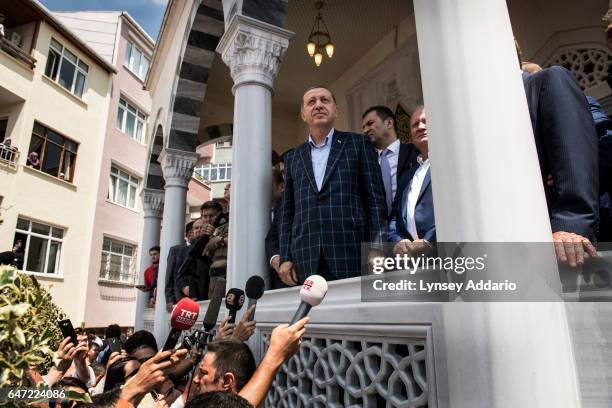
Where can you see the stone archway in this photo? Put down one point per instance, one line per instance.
(155, 178)
(202, 38)
(193, 74)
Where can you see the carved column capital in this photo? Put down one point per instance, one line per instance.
(177, 166)
(253, 50)
(153, 202)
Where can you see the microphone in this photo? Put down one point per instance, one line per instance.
(184, 316)
(254, 290)
(210, 318)
(312, 294)
(234, 301)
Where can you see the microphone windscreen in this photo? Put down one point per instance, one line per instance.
(184, 314)
(210, 318)
(255, 287)
(234, 299)
(313, 290)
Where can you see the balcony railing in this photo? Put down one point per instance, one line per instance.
(8, 156)
(17, 52)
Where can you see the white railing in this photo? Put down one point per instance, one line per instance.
(9, 156)
(357, 352)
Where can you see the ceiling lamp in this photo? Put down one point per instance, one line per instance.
(319, 38)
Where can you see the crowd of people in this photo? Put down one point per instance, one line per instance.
(140, 375)
(198, 265)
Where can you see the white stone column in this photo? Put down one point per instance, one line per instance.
(253, 50)
(487, 188)
(153, 206)
(177, 166)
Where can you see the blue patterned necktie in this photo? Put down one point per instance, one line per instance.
(385, 169)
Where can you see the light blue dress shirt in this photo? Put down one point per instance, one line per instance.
(320, 154)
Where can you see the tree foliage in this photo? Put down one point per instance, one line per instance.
(29, 333)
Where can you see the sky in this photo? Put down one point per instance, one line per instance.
(147, 13)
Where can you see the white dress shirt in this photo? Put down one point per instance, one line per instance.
(413, 195)
(393, 157)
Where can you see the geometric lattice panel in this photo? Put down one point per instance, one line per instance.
(589, 64)
(331, 371)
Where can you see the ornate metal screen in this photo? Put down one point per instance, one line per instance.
(589, 63)
(354, 371)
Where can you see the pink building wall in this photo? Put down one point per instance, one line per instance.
(116, 303)
(198, 191)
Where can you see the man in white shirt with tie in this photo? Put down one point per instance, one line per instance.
(412, 223)
(395, 158)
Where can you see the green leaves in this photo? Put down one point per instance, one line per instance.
(28, 327)
(7, 277)
(19, 336)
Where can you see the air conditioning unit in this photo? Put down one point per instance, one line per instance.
(15, 39)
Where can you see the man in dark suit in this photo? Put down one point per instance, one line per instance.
(412, 224)
(566, 142)
(603, 125)
(334, 197)
(198, 274)
(176, 257)
(272, 237)
(394, 158)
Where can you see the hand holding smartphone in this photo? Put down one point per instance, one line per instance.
(115, 344)
(68, 330)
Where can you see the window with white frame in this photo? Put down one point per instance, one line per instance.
(215, 172)
(66, 68)
(131, 121)
(223, 145)
(37, 246)
(136, 61)
(118, 261)
(122, 188)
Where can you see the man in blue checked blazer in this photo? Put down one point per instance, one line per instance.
(334, 198)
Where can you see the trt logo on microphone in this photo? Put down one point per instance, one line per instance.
(307, 285)
(187, 317)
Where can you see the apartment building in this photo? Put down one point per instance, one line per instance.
(215, 167)
(54, 103)
(117, 222)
